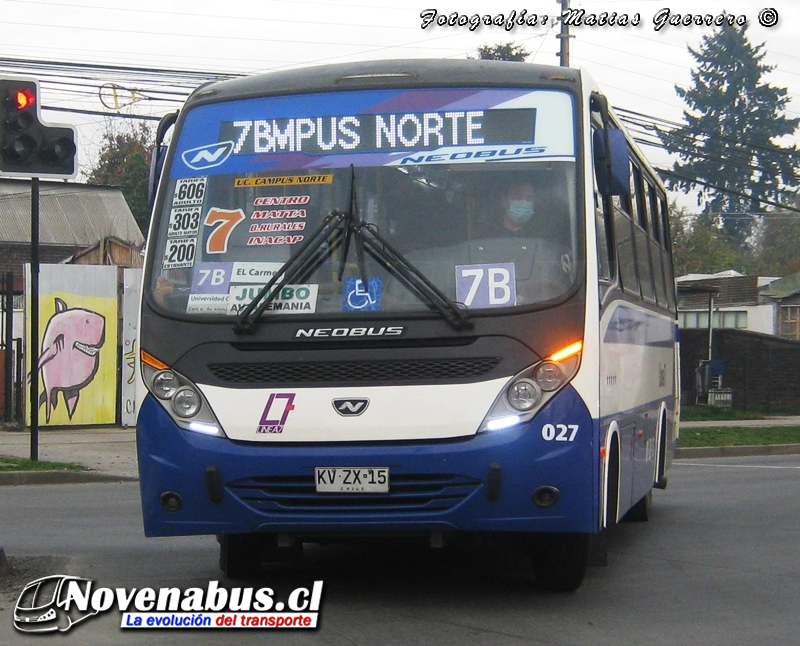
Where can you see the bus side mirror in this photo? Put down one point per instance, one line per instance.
(611, 168)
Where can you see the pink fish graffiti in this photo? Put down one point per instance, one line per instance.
(70, 354)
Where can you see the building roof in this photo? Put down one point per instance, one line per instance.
(734, 290)
(109, 251)
(728, 273)
(783, 287)
(70, 214)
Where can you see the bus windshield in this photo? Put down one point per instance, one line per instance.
(475, 188)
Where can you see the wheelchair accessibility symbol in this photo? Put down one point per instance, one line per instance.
(359, 299)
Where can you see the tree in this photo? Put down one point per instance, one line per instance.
(503, 52)
(698, 247)
(727, 142)
(777, 243)
(124, 161)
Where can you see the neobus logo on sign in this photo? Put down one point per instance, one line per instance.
(58, 602)
(208, 156)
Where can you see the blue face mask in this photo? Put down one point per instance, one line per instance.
(520, 211)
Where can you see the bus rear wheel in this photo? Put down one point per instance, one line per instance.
(560, 560)
(640, 512)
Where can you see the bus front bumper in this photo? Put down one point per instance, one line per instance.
(195, 484)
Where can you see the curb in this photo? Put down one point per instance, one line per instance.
(17, 478)
(736, 451)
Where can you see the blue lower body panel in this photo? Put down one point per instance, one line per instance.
(441, 486)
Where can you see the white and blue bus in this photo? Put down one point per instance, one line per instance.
(405, 298)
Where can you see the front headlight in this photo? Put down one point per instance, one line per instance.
(531, 389)
(549, 375)
(186, 402)
(165, 383)
(180, 397)
(524, 394)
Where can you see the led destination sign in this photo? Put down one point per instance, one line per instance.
(381, 132)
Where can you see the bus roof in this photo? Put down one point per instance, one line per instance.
(413, 73)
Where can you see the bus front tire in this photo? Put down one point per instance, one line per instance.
(560, 560)
(240, 555)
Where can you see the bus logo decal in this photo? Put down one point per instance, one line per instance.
(269, 422)
(46, 604)
(208, 156)
(350, 407)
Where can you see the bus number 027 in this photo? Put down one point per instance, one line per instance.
(559, 432)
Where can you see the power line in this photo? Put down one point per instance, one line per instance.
(115, 115)
(694, 180)
(674, 125)
(739, 159)
(65, 77)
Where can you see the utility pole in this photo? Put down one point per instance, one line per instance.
(564, 36)
(33, 350)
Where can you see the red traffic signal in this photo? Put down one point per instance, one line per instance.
(24, 98)
(28, 146)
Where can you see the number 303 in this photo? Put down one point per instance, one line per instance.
(559, 432)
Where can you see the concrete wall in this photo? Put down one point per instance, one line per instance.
(761, 318)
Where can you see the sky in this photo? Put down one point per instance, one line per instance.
(637, 65)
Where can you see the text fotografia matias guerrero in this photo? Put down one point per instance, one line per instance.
(577, 18)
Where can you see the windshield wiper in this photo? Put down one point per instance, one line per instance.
(304, 262)
(335, 229)
(412, 278)
(339, 228)
(367, 237)
(350, 224)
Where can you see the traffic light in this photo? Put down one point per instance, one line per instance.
(29, 147)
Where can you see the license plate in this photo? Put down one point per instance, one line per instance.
(351, 479)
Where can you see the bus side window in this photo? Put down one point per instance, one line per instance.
(603, 226)
(633, 195)
(641, 241)
(626, 256)
(621, 207)
(666, 254)
(654, 221)
(654, 242)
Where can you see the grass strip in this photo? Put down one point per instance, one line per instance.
(715, 413)
(19, 464)
(732, 436)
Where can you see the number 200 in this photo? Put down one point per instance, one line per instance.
(559, 432)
